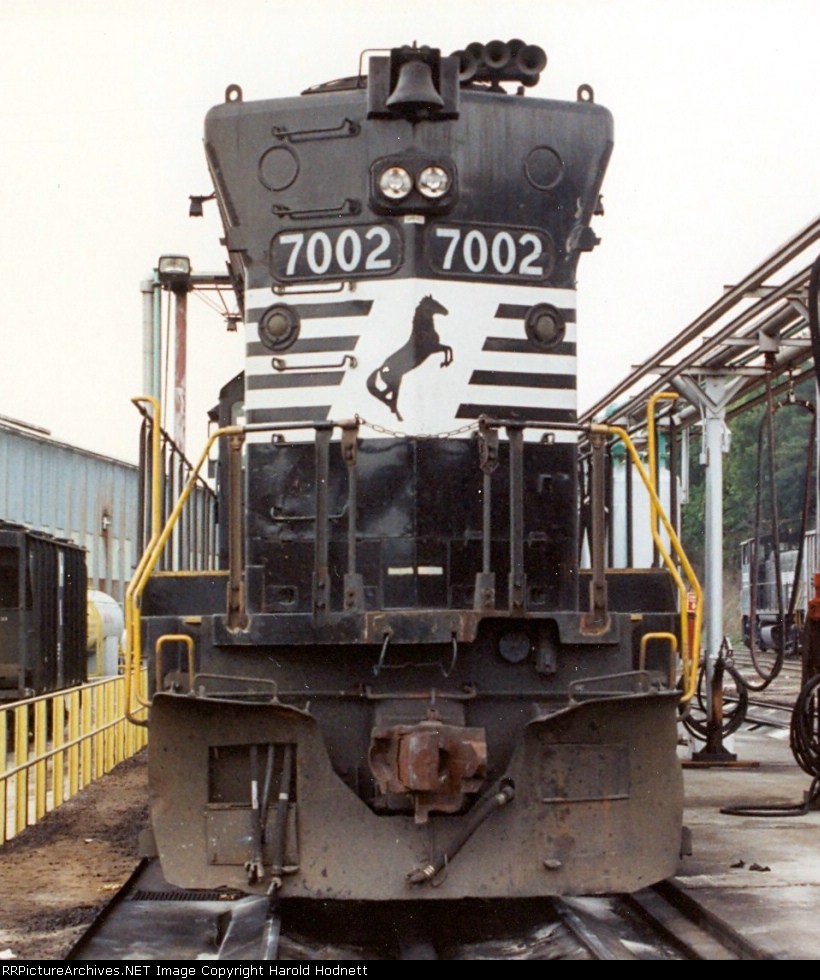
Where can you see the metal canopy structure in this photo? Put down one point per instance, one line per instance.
(765, 315)
(754, 340)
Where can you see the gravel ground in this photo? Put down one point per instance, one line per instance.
(55, 876)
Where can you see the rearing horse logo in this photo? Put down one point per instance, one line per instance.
(423, 341)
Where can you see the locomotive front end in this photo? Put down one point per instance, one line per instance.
(404, 692)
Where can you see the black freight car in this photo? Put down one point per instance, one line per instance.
(43, 613)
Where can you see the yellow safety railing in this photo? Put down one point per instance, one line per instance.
(689, 670)
(147, 564)
(53, 746)
(690, 653)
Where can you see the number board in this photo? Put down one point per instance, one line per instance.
(335, 253)
(490, 252)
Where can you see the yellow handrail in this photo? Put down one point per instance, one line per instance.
(686, 653)
(692, 661)
(173, 638)
(656, 537)
(133, 595)
(673, 652)
(155, 517)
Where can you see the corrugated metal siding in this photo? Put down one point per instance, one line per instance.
(66, 491)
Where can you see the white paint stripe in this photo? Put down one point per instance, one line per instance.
(530, 363)
(562, 364)
(514, 329)
(517, 294)
(522, 397)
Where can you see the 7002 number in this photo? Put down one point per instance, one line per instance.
(335, 252)
(493, 252)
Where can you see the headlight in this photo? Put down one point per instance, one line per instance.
(433, 182)
(545, 326)
(279, 327)
(395, 183)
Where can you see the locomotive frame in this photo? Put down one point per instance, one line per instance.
(355, 667)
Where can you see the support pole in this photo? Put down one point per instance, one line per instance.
(715, 444)
(150, 295)
(712, 396)
(180, 364)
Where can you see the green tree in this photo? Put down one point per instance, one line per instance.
(743, 469)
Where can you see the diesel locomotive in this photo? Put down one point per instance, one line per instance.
(399, 681)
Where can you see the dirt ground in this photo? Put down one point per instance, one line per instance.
(55, 876)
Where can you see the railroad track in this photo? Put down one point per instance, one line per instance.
(690, 929)
(783, 690)
(149, 920)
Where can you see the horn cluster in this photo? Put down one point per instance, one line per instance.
(501, 61)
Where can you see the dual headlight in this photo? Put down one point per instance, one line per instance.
(396, 183)
(410, 183)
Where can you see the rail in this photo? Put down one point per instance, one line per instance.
(164, 469)
(150, 559)
(54, 745)
(690, 652)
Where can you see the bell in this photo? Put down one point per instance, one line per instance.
(414, 89)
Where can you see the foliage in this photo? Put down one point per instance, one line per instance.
(742, 472)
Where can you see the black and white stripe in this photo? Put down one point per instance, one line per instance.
(495, 369)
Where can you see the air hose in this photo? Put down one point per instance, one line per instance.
(804, 730)
(785, 618)
(804, 740)
(731, 720)
(498, 797)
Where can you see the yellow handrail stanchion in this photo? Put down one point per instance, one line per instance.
(120, 749)
(4, 787)
(40, 733)
(50, 767)
(111, 731)
(86, 728)
(74, 750)
(99, 733)
(20, 759)
(58, 738)
(651, 447)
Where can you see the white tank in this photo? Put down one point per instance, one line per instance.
(105, 627)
